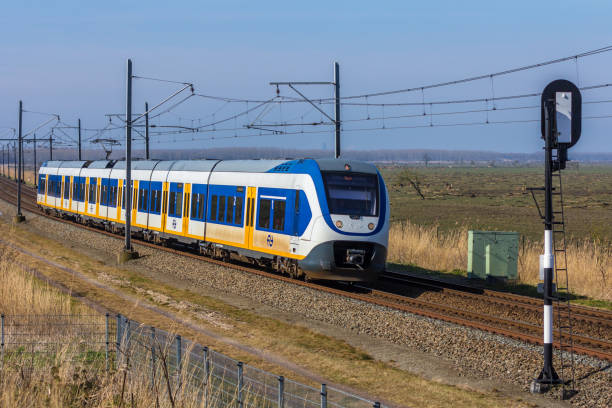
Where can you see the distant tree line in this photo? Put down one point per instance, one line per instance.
(425, 157)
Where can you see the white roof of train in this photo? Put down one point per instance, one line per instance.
(246, 166)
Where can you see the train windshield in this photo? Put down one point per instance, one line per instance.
(351, 194)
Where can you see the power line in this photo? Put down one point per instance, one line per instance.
(480, 77)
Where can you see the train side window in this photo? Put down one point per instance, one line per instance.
(278, 215)
(231, 202)
(179, 203)
(142, 202)
(158, 200)
(66, 190)
(201, 207)
(145, 200)
(264, 213)
(213, 208)
(249, 209)
(194, 205)
(252, 218)
(92, 193)
(102, 195)
(238, 211)
(222, 208)
(172, 203)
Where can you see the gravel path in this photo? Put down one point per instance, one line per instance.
(473, 353)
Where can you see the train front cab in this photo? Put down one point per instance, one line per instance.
(353, 226)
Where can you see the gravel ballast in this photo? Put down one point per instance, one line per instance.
(473, 353)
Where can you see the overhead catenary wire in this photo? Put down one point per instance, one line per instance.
(185, 129)
(485, 76)
(422, 88)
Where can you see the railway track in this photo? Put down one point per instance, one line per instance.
(517, 329)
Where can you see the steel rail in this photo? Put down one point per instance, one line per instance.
(601, 317)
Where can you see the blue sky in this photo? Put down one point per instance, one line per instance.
(69, 58)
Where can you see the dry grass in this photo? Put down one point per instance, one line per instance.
(61, 378)
(29, 175)
(21, 294)
(589, 261)
(63, 382)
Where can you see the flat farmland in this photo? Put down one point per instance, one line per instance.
(497, 198)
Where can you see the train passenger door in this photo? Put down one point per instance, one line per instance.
(294, 241)
(186, 208)
(174, 213)
(250, 217)
(164, 212)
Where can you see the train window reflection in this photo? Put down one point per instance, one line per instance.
(353, 194)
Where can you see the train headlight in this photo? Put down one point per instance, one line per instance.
(339, 224)
(371, 226)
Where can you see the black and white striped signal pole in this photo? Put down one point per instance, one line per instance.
(548, 375)
(561, 117)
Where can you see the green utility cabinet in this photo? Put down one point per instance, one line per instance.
(492, 254)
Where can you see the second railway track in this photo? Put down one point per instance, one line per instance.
(591, 343)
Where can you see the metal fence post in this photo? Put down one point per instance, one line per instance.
(240, 384)
(107, 340)
(178, 361)
(323, 396)
(128, 335)
(152, 357)
(281, 391)
(118, 342)
(207, 375)
(2, 356)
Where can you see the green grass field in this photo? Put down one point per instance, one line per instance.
(497, 199)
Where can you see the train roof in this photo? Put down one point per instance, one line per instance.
(339, 165)
(246, 166)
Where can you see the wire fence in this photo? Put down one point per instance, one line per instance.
(173, 366)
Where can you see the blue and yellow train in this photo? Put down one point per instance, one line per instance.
(308, 218)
